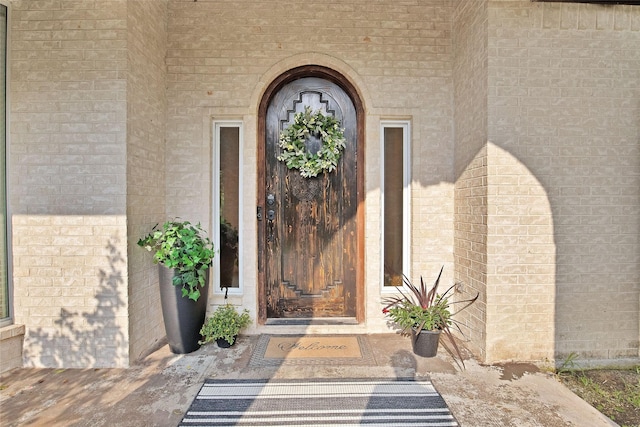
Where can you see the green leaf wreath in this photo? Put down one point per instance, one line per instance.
(293, 138)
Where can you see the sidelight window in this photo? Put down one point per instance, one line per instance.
(395, 186)
(227, 210)
(5, 295)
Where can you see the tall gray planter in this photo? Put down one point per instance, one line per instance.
(183, 317)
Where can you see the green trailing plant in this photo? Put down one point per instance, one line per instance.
(185, 248)
(226, 323)
(420, 308)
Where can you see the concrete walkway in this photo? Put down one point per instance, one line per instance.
(158, 390)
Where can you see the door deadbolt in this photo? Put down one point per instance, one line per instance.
(271, 199)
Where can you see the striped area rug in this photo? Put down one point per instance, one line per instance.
(317, 403)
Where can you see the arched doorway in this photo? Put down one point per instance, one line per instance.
(310, 230)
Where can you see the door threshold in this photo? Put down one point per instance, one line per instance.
(313, 321)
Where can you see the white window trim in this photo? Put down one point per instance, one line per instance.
(9, 320)
(406, 198)
(215, 197)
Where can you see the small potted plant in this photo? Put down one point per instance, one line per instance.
(426, 315)
(224, 326)
(184, 254)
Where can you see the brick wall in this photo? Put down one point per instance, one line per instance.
(557, 182)
(146, 112)
(564, 85)
(68, 182)
(470, 164)
(520, 261)
(87, 93)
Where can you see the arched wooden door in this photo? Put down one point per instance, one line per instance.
(309, 247)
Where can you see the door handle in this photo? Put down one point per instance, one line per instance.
(271, 215)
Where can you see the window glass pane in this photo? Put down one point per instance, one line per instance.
(4, 284)
(229, 203)
(393, 205)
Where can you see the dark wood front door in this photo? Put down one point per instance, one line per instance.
(309, 231)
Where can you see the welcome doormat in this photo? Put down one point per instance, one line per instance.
(277, 350)
(374, 402)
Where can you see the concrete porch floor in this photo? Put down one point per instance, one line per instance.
(158, 390)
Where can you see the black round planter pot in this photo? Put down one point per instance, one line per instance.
(425, 343)
(222, 343)
(183, 317)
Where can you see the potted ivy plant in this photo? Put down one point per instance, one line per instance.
(184, 254)
(426, 314)
(224, 325)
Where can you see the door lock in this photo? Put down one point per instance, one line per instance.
(271, 215)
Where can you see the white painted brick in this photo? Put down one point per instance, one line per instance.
(146, 24)
(63, 120)
(575, 126)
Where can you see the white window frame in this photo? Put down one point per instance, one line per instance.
(215, 179)
(9, 260)
(405, 125)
